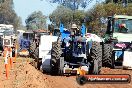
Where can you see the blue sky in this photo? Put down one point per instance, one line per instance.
(24, 8)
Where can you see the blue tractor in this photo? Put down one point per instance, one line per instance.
(73, 50)
(25, 43)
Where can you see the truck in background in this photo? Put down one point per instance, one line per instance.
(7, 36)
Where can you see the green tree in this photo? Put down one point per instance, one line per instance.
(7, 13)
(1, 1)
(129, 1)
(65, 15)
(117, 1)
(61, 14)
(72, 4)
(105, 10)
(36, 20)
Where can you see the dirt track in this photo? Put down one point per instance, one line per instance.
(24, 75)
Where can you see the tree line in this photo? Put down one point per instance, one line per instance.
(94, 18)
(8, 15)
(66, 14)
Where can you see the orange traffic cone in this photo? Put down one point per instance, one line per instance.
(5, 52)
(6, 65)
(10, 58)
(7, 70)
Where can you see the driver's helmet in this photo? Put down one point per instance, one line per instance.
(122, 25)
(123, 28)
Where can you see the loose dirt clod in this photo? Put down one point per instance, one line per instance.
(26, 72)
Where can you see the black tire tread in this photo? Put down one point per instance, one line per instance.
(38, 62)
(107, 55)
(32, 49)
(96, 58)
(55, 56)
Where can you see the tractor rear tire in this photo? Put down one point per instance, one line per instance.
(108, 61)
(96, 58)
(35, 64)
(38, 61)
(35, 59)
(32, 49)
(55, 58)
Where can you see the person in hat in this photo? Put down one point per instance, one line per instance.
(75, 30)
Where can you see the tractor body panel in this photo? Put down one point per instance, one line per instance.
(127, 61)
(123, 37)
(45, 45)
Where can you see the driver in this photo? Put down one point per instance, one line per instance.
(75, 30)
(123, 28)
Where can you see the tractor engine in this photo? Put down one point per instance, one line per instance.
(79, 47)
